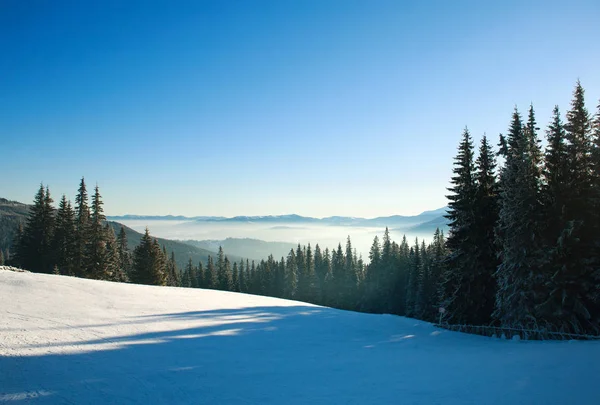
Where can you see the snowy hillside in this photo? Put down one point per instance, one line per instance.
(74, 341)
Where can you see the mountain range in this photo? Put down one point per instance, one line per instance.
(390, 221)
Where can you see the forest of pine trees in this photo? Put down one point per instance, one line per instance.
(523, 249)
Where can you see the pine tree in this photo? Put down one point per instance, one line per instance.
(200, 275)
(573, 296)
(350, 280)
(114, 270)
(186, 280)
(64, 243)
(35, 245)
(125, 259)
(242, 278)
(373, 279)
(519, 231)
(485, 253)
(1, 258)
(172, 272)
(412, 291)
(461, 208)
(97, 266)
(223, 273)
(320, 272)
(148, 262)
(82, 224)
(235, 280)
(211, 275)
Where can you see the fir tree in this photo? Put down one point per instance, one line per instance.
(64, 243)
(148, 262)
(242, 278)
(211, 275)
(461, 208)
(98, 266)
(82, 224)
(35, 244)
(125, 260)
(485, 253)
(573, 299)
(519, 231)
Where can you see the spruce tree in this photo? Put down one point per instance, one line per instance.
(211, 275)
(35, 244)
(242, 278)
(485, 252)
(125, 260)
(64, 243)
(573, 304)
(82, 224)
(97, 261)
(114, 269)
(519, 231)
(148, 262)
(459, 263)
(200, 275)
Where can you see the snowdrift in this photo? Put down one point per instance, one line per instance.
(69, 340)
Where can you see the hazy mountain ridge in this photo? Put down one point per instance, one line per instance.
(390, 221)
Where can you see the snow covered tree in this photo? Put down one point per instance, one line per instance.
(461, 209)
(64, 243)
(98, 266)
(519, 230)
(148, 262)
(82, 224)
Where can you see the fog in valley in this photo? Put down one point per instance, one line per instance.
(324, 234)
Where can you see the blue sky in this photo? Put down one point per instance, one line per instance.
(272, 107)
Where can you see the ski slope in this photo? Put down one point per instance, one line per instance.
(75, 341)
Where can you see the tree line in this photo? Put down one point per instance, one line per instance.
(525, 234)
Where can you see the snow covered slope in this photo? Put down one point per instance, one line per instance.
(74, 341)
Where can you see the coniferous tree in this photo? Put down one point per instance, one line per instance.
(485, 253)
(200, 275)
(459, 263)
(35, 245)
(235, 279)
(64, 243)
(115, 271)
(125, 259)
(211, 275)
(186, 280)
(242, 278)
(412, 287)
(172, 272)
(519, 231)
(82, 224)
(573, 303)
(97, 266)
(373, 279)
(148, 262)
(350, 280)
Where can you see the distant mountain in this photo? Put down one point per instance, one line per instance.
(246, 247)
(11, 214)
(394, 221)
(429, 227)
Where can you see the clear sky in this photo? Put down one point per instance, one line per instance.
(317, 107)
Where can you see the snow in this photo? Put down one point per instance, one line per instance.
(74, 341)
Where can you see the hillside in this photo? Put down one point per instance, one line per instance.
(246, 247)
(12, 213)
(73, 341)
(183, 251)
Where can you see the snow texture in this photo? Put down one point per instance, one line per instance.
(75, 341)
